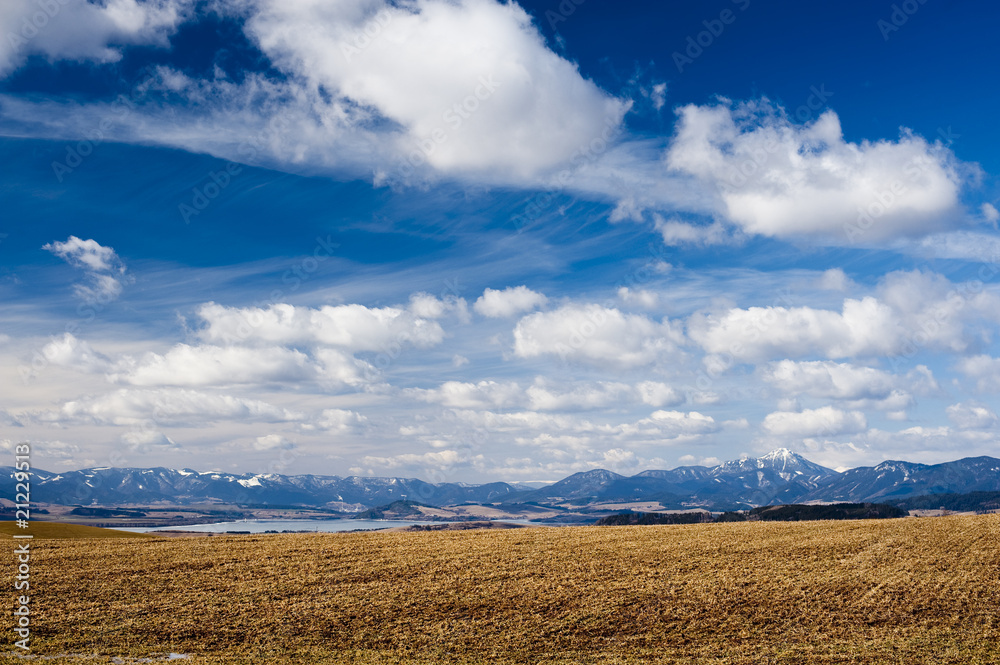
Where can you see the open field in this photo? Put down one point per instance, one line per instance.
(885, 591)
(45, 530)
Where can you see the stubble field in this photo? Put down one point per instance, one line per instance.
(907, 591)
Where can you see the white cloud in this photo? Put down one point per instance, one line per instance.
(341, 420)
(779, 179)
(141, 439)
(911, 312)
(641, 297)
(81, 30)
(863, 327)
(512, 300)
(971, 416)
(826, 379)
(406, 92)
(351, 327)
(658, 394)
(471, 84)
(984, 369)
(990, 213)
(677, 423)
(68, 351)
(185, 365)
(825, 421)
(675, 232)
(546, 395)
(462, 395)
(699, 461)
(105, 272)
(834, 279)
(857, 387)
(436, 459)
(272, 442)
(542, 396)
(596, 334)
(166, 406)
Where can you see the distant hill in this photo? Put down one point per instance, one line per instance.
(969, 502)
(393, 511)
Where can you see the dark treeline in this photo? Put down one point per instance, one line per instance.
(970, 502)
(784, 513)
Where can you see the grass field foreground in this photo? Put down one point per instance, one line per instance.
(47, 530)
(887, 591)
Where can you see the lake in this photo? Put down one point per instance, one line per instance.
(260, 526)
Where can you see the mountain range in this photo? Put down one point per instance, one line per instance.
(780, 477)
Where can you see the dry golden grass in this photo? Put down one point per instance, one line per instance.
(892, 591)
(58, 530)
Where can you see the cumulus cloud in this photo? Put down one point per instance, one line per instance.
(640, 297)
(83, 31)
(105, 271)
(911, 311)
(779, 179)
(141, 439)
(596, 334)
(990, 213)
(658, 394)
(676, 232)
(350, 327)
(984, 369)
(857, 387)
(68, 351)
(497, 304)
(341, 420)
(166, 406)
(546, 395)
(466, 395)
(825, 421)
(405, 92)
(677, 423)
(971, 416)
(825, 379)
(543, 396)
(471, 83)
(272, 442)
(185, 365)
(862, 327)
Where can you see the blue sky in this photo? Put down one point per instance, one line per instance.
(473, 241)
